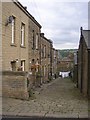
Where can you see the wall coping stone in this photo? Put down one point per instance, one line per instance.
(16, 73)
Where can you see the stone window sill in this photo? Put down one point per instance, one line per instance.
(22, 46)
(13, 44)
(37, 49)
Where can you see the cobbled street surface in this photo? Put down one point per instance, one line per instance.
(59, 98)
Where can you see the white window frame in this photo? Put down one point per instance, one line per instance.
(36, 41)
(13, 30)
(23, 65)
(44, 51)
(33, 40)
(22, 34)
(44, 70)
(41, 51)
(37, 67)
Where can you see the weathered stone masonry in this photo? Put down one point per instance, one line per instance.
(14, 84)
(21, 50)
(83, 67)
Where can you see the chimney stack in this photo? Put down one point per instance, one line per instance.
(42, 34)
(81, 30)
(25, 7)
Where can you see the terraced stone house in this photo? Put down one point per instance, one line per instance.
(54, 62)
(20, 45)
(26, 54)
(15, 37)
(83, 80)
(46, 47)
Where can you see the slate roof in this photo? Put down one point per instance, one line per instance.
(86, 35)
(26, 12)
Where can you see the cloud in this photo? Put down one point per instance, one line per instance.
(60, 20)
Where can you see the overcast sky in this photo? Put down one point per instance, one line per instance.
(60, 20)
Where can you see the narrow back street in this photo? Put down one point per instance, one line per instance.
(60, 98)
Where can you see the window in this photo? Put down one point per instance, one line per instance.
(23, 65)
(48, 52)
(42, 48)
(45, 51)
(22, 34)
(13, 30)
(36, 41)
(33, 61)
(41, 51)
(33, 42)
(13, 65)
(44, 70)
(37, 69)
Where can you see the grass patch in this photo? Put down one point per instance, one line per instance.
(31, 95)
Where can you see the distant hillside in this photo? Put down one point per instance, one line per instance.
(66, 52)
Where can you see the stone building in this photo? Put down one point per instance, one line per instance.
(14, 50)
(54, 62)
(34, 44)
(20, 48)
(26, 53)
(66, 64)
(15, 37)
(75, 68)
(34, 50)
(57, 60)
(83, 62)
(46, 64)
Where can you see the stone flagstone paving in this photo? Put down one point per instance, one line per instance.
(60, 98)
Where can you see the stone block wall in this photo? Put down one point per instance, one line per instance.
(85, 71)
(14, 84)
(83, 68)
(89, 74)
(75, 74)
(13, 52)
(80, 65)
(45, 58)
